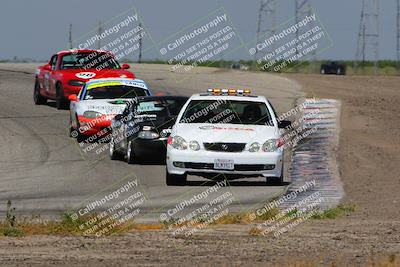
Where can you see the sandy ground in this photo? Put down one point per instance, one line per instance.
(369, 141)
(369, 166)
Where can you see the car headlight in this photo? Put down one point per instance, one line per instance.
(254, 147)
(91, 114)
(177, 142)
(148, 135)
(272, 145)
(76, 83)
(194, 145)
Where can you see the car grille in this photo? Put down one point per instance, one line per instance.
(196, 165)
(224, 147)
(238, 167)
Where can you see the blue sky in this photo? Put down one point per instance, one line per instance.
(35, 29)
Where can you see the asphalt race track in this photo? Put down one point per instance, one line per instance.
(45, 172)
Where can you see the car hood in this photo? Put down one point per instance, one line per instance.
(104, 106)
(228, 133)
(86, 75)
(156, 122)
(159, 125)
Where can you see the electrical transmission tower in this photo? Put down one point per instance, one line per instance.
(303, 9)
(266, 22)
(398, 35)
(99, 32)
(140, 43)
(368, 33)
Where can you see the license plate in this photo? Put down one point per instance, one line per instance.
(223, 164)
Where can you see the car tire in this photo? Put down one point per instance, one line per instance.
(113, 152)
(72, 131)
(175, 179)
(61, 102)
(340, 71)
(130, 154)
(276, 180)
(37, 97)
(79, 136)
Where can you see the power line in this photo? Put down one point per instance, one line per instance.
(266, 25)
(303, 9)
(368, 34)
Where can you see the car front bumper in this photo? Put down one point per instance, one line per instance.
(267, 164)
(99, 126)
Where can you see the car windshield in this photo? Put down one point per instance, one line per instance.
(117, 91)
(227, 111)
(161, 108)
(89, 60)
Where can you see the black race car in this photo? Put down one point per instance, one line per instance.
(333, 67)
(143, 128)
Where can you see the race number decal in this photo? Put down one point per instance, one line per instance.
(85, 75)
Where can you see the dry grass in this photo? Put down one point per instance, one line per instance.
(66, 226)
(233, 218)
(254, 231)
(341, 210)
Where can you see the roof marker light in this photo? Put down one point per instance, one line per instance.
(232, 92)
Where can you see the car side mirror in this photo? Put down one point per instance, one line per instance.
(284, 124)
(118, 117)
(73, 98)
(47, 67)
(125, 66)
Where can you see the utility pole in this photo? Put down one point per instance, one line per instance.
(303, 9)
(398, 35)
(99, 32)
(368, 34)
(266, 25)
(70, 36)
(363, 46)
(140, 44)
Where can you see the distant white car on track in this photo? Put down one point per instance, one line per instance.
(92, 110)
(228, 132)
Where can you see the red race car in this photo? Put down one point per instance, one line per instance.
(68, 71)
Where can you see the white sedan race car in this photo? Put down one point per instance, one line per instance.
(98, 102)
(227, 133)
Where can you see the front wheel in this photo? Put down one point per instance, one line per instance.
(114, 154)
(61, 102)
(340, 71)
(37, 97)
(175, 179)
(80, 137)
(130, 155)
(276, 180)
(72, 132)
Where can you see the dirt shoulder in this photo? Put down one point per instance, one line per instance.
(369, 153)
(369, 166)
